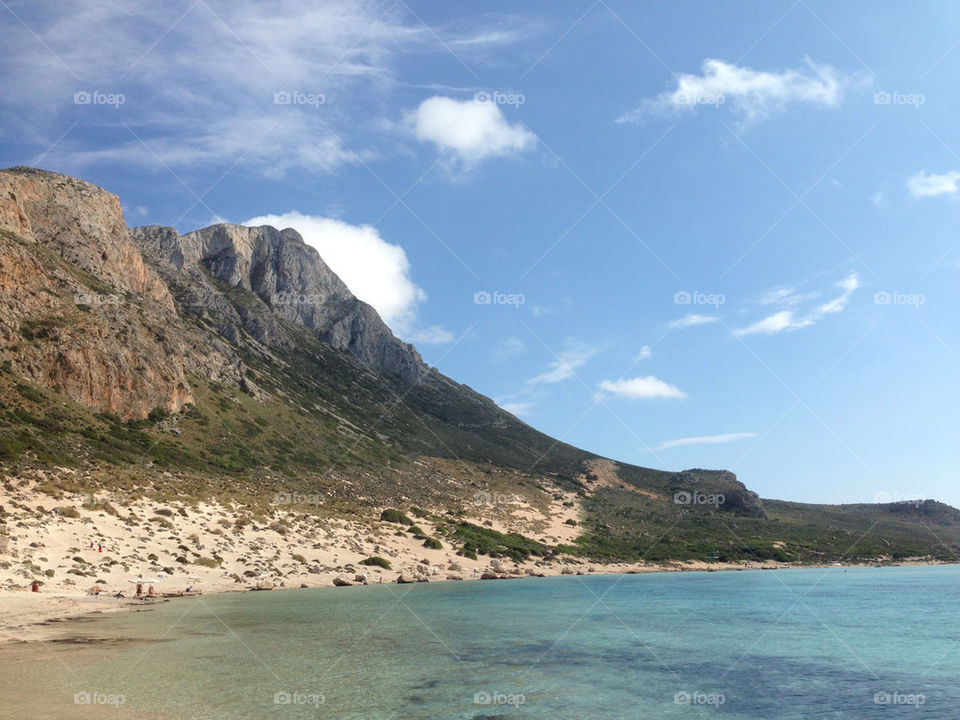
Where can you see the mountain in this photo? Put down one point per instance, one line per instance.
(231, 362)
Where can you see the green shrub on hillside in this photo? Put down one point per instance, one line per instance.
(377, 562)
(395, 516)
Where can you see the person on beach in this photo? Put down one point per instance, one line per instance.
(99, 547)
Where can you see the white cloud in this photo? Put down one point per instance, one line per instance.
(691, 320)
(433, 335)
(778, 322)
(788, 320)
(641, 388)
(472, 130)
(645, 354)
(753, 94)
(566, 363)
(705, 440)
(376, 271)
(775, 295)
(924, 185)
(848, 285)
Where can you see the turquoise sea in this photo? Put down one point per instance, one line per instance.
(834, 643)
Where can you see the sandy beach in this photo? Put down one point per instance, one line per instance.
(85, 550)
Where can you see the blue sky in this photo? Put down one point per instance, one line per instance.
(697, 235)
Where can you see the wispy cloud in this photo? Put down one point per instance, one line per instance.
(785, 295)
(640, 388)
(705, 440)
(848, 285)
(789, 320)
(201, 81)
(508, 347)
(566, 363)
(778, 322)
(517, 408)
(645, 354)
(931, 185)
(433, 335)
(752, 94)
(691, 320)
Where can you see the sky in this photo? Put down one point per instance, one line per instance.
(719, 235)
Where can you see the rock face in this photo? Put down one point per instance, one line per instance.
(703, 487)
(79, 309)
(81, 223)
(291, 281)
(109, 316)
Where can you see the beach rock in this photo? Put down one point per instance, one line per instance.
(454, 566)
(567, 571)
(454, 577)
(489, 576)
(341, 582)
(497, 565)
(403, 580)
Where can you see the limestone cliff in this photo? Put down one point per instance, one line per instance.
(87, 306)
(291, 281)
(80, 310)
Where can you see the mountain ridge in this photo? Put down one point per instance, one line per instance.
(232, 360)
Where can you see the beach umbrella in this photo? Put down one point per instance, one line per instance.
(145, 580)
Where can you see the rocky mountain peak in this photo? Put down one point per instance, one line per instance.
(291, 281)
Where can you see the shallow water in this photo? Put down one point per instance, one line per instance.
(837, 643)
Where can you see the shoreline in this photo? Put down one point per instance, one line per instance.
(83, 550)
(43, 615)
